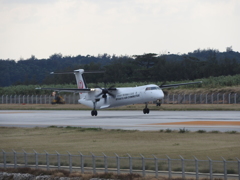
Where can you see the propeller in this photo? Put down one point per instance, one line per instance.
(164, 92)
(105, 92)
(162, 84)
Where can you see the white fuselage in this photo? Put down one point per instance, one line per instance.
(123, 96)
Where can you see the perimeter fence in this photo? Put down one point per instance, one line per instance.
(214, 98)
(146, 166)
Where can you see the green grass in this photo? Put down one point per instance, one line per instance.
(121, 142)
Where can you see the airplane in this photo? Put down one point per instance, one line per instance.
(101, 98)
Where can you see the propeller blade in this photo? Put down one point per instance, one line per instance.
(112, 88)
(162, 84)
(111, 94)
(106, 91)
(99, 94)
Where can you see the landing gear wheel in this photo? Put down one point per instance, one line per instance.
(94, 112)
(146, 111)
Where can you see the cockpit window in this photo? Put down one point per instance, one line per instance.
(152, 88)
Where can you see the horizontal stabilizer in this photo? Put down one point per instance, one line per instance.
(67, 90)
(73, 72)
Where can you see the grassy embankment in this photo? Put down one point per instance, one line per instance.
(160, 143)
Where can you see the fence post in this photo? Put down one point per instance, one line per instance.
(206, 98)
(23, 99)
(10, 99)
(105, 163)
(76, 98)
(32, 99)
(169, 168)
(70, 161)
(238, 169)
(73, 97)
(69, 99)
(210, 168)
(130, 163)
(229, 98)
(224, 168)
(36, 159)
(4, 159)
(40, 99)
(19, 99)
(2, 98)
(189, 98)
(94, 164)
(143, 166)
(118, 164)
(47, 160)
(82, 162)
(223, 97)
(156, 166)
(201, 99)
(49, 99)
(235, 98)
(196, 167)
(212, 97)
(58, 160)
(184, 98)
(183, 167)
(25, 158)
(36, 99)
(15, 159)
(6, 99)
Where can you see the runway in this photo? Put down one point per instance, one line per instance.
(126, 120)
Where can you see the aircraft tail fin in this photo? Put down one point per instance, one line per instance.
(81, 83)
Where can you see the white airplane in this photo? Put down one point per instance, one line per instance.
(100, 98)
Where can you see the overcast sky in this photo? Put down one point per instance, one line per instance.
(122, 27)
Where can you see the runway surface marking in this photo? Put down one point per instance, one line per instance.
(205, 123)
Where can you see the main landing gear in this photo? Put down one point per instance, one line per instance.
(94, 111)
(146, 110)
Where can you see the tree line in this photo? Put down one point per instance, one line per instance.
(149, 67)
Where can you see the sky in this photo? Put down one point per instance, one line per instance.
(121, 27)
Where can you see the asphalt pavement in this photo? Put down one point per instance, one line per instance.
(126, 120)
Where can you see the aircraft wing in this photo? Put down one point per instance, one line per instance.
(176, 85)
(68, 90)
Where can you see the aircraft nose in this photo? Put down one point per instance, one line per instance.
(160, 94)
